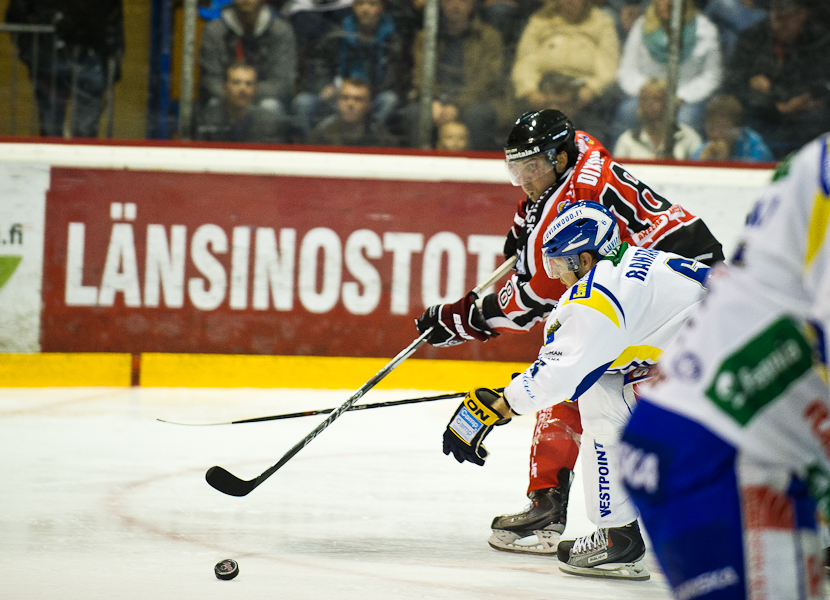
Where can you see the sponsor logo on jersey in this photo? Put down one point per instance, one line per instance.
(687, 366)
(604, 472)
(553, 356)
(706, 583)
(551, 331)
(761, 371)
(581, 290)
(639, 469)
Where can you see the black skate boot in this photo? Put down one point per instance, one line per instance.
(537, 529)
(615, 552)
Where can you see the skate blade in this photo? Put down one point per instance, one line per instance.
(634, 571)
(542, 541)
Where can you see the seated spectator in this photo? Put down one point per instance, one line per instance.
(236, 118)
(731, 17)
(646, 54)
(366, 46)
(453, 136)
(726, 138)
(780, 71)
(90, 42)
(311, 21)
(573, 38)
(213, 9)
(247, 30)
(624, 12)
(468, 79)
(352, 125)
(561, 92)
(509, 18)
(647, 140)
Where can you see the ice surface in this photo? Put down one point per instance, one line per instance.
(100, 500)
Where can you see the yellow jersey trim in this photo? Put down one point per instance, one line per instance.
(639, 354)
(598, 302)
(817, 228)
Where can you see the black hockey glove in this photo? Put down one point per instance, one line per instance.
(470, 425)
(511, 241)
(511, 244)
(455, 323)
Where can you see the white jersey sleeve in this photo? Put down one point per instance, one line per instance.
(615, 319)
(571, 359)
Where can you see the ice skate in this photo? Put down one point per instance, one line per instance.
(616, 552)
(536, 530)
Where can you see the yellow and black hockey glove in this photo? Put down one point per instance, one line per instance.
(470, 425)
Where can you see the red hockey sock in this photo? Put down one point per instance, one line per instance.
(555, 444)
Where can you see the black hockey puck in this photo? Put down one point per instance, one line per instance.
(226, 569)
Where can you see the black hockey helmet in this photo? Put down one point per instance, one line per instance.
(547, 132)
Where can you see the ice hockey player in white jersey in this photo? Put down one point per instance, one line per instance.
(622, 305)
(727, 454)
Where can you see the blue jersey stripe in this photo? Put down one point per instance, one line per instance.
(611, 297)
(589, 380)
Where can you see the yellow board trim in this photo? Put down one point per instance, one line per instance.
(817, 229)
(320, 372)
(75, 369)
(638, 353)
(255, 371)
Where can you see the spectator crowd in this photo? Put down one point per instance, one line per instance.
(753, 83)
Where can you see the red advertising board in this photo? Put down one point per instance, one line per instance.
(140, 261)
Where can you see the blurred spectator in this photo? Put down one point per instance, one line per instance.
(352, 125)
(468, 78)
(249, 31)
(509, 18)
(213, 9)
(366, 47)
(647, 140)
(726, 138)
(731, 17)
(312, 20)
(561, 92)
(573, 38)
(237, 118)
(780, 71)
(453, 136)
(90, 38)
(645, 56)
(624, 12)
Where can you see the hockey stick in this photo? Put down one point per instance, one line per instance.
(325, 411)
(228, 483)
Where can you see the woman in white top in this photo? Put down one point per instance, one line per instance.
(646, 140)
(645, 56)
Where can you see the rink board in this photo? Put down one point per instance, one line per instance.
(244, 371)
(189, 256)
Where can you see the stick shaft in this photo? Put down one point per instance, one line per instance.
(324, 411)
(228, 483)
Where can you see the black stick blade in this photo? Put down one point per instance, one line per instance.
(228, 483)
